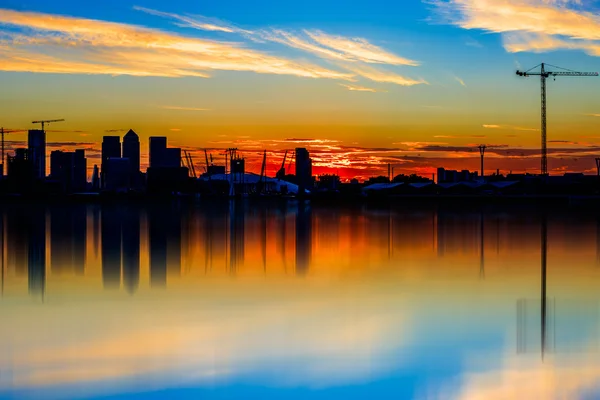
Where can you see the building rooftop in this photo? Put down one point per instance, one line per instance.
(131, 133)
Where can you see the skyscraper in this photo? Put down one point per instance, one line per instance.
(36, 148)
(158, 150)
(131, 150)
(303, 169)
(111, 148)
(69, 169)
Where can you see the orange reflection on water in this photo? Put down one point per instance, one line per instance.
(296, 295)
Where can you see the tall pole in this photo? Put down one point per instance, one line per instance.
(598, 165)
(482, 154)
(544, 147)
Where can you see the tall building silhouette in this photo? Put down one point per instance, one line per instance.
(158, 150)
(110, 220)
(131, 250)
(303, 169)
(36, 149)
(131, 150)
(69, 169)
(111, 148)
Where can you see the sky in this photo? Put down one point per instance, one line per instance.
(417, 84)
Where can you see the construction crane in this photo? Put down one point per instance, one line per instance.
(206, 157)
(46, 121)
(289, 168)
(3, 132)
(281, 173)
(190, 163)
(263, 171)
(543, 74)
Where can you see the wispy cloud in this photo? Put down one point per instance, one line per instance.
(351, 53)
(184, 108)
(195, 21)
(527, 25)
(379, 75)
(356, 88)
(473, 43)
(89, 46)
(459, 80)
(359, 49)
(509, 127)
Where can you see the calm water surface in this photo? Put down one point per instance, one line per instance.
(234, 301)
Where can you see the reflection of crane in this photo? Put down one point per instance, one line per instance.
(522, 305)
(543, 74)
(46, 121)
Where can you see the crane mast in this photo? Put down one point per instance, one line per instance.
(544, 74)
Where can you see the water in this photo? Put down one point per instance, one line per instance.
(292, 301)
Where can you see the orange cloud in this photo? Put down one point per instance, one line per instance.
(90, 46)
(359, 88)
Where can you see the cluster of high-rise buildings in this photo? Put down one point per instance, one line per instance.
(119, 168)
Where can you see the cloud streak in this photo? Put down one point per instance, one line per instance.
(184, 108)
(356, 88)
(509, 127)
(328, 47)
(90, 46)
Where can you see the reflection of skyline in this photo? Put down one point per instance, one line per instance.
(68, 239)
(155, 245)
(36, 254)
(303, 238)
(131, 251)
(110, 225)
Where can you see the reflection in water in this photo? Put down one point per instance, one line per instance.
(303, 238)
(327, 302)
(36, 252)
(131, 251)
(111, 225)
(157, 238)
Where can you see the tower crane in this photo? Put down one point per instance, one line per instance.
(207, 164)
(289, 168)
(543, 74)
(3, 132)
(281, 173)
(46, 121)
(263, 172)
